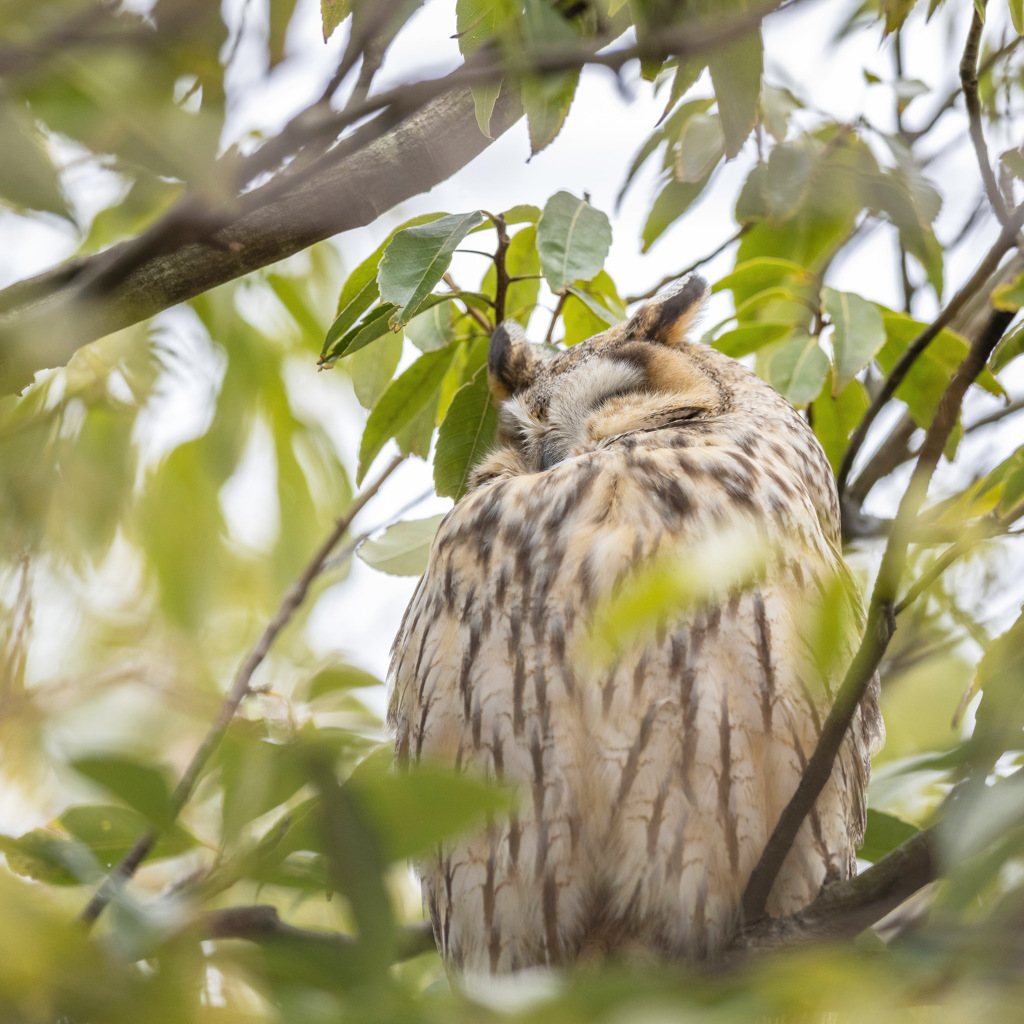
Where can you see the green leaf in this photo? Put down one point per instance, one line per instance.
(356, 861)
(672, 202)
(372, 368)
(360, 290)
(745, 338)
(333, 13)
(883, 834)
(1008, 349)
(1017, 15)
(28, 179)
(143, 787)
(466, 434)
(396, 802)
(403, 548)
(606, 316)
(546, 98)
(736, 75)
(338, 678)
(1000, 715)
(927, 378)
(835, 418)
(480, 21)
(858, 332)
(1009, 296)
(400, 403)
(417, 258)
(573, 240)
(797, 368)
(700, 147)
(787, 179)
(687, 72)
(432, 329)
(110, 832)
(45, 856)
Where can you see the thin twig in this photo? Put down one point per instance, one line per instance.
(949, 102)
(240, 689)
(880, 624)
(651, 292)
(471, 310)
(562, 296)
(991, 525)
(969, 84)
(1007, 240)
(501, 279)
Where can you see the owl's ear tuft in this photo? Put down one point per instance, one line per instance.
(669, 315)
(510, 360)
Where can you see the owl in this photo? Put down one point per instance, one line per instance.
(648, 773)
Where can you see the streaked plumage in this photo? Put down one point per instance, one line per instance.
(648, 783)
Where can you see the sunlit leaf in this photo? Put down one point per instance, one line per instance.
(360, 290)
(1009, 296)
(836, 416)
(403, 548)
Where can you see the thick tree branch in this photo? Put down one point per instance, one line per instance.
(240, 689)
(845, 909)
(880, 623)
(45, 319)
(1007, 240)
(261, 923)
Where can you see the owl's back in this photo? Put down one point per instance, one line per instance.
(651, 771)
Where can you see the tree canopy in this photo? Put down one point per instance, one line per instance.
(209, 386)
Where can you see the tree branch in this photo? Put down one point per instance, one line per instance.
(880, 624)
(969, 84)
(261, 923)
(45, 319)
(845, 909)
(1007, 240)
(651, 292)
(240, 689)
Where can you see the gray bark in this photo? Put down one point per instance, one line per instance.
(45, 319)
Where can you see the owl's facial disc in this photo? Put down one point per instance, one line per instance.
(638, 375)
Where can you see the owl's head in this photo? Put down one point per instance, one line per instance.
(638, 375)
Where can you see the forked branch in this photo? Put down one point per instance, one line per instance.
(880, 625)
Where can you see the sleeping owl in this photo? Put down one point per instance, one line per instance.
(647, 779)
